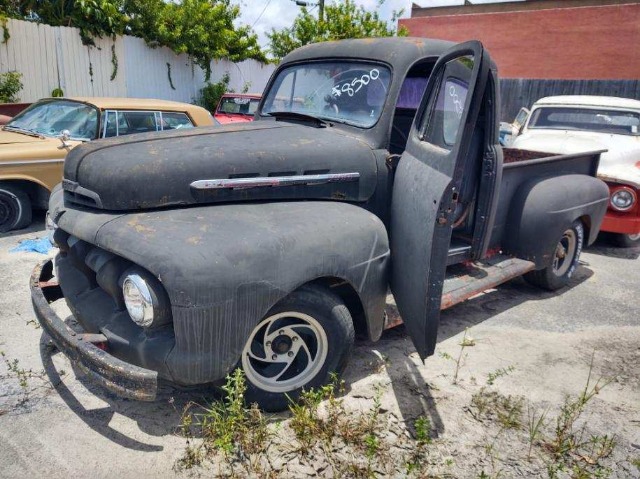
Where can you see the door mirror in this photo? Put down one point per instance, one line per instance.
(521, 119)
(65, 136)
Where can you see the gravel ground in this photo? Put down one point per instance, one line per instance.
(57, 424)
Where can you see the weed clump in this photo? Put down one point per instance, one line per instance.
(491, 405)
(24, 377)
(570, 446)
(227, 428)
(327, 436)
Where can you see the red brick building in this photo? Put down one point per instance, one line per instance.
(544, 39)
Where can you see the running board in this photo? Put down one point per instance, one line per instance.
(464, 281)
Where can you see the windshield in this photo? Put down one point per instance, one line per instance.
(586, 119)
(346, 92)
(238, 105)
(51, 117)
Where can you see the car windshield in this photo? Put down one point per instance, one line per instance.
(587, 119)
(345, 92)
(52, 117)
(238, 105)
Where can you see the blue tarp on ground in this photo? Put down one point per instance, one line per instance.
(38, 245)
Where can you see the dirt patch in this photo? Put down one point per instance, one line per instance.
(529, 348)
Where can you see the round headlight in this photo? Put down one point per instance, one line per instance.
(623, 199)
(138, 300)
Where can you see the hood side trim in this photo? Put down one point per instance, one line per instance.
(274, 181)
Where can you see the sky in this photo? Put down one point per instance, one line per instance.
(264, 15)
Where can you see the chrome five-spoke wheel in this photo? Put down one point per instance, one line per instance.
(298, 345)
(285, 351)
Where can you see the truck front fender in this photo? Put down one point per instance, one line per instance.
(225, 266)
(542, 208)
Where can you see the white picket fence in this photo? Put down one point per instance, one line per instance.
(51, 57)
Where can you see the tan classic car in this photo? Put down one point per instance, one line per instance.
(34, 143)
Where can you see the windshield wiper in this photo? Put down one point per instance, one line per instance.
(23, 130)
(294, 115)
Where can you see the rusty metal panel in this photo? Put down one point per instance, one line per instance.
(468, 281)
(115, 375)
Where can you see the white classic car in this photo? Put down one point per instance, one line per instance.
(577, 123)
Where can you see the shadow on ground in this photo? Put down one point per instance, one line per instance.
(413, 394)
(158, 418)
(604, 247)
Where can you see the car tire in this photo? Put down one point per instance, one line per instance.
(565, 260)
(15, 208)
(301, 342)
(626, 241)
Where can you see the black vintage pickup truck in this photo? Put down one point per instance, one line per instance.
(373, 165)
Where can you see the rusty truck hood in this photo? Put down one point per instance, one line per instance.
(275, 161)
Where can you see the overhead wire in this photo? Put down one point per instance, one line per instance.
(261, 13)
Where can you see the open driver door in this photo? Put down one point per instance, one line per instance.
(426, 186)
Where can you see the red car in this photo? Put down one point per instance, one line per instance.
(236, 107)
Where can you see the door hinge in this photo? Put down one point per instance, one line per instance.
(489, 160)
(392, 162)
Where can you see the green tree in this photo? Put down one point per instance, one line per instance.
(212, 92)
(94, 18)
(203, 29)
(10, 85)
(342, 19)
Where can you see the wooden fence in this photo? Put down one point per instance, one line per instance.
(516, 93)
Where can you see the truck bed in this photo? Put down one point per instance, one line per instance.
(520, 166)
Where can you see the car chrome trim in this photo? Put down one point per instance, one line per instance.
(32, 162)
(274, 181)
(616, 189)
(122, 378)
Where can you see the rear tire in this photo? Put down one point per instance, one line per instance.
(298, 345)
(626, 241)
(565, 260)
(15, 208)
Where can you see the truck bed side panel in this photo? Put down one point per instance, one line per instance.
(539, 198)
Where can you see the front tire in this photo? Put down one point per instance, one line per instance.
(565, 260)
(15, 208)
(298, 345)
(627, 241)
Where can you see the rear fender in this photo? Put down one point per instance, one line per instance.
(543, 208)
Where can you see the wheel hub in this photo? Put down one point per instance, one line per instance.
(282, 344)
(561, 251)
(565, 251)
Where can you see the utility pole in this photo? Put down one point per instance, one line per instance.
(320, 6)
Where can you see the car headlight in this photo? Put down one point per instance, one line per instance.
(145, 299)
(137, 299)
(623, 199)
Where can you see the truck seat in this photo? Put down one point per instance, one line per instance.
(400, 128)
(469, 185)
